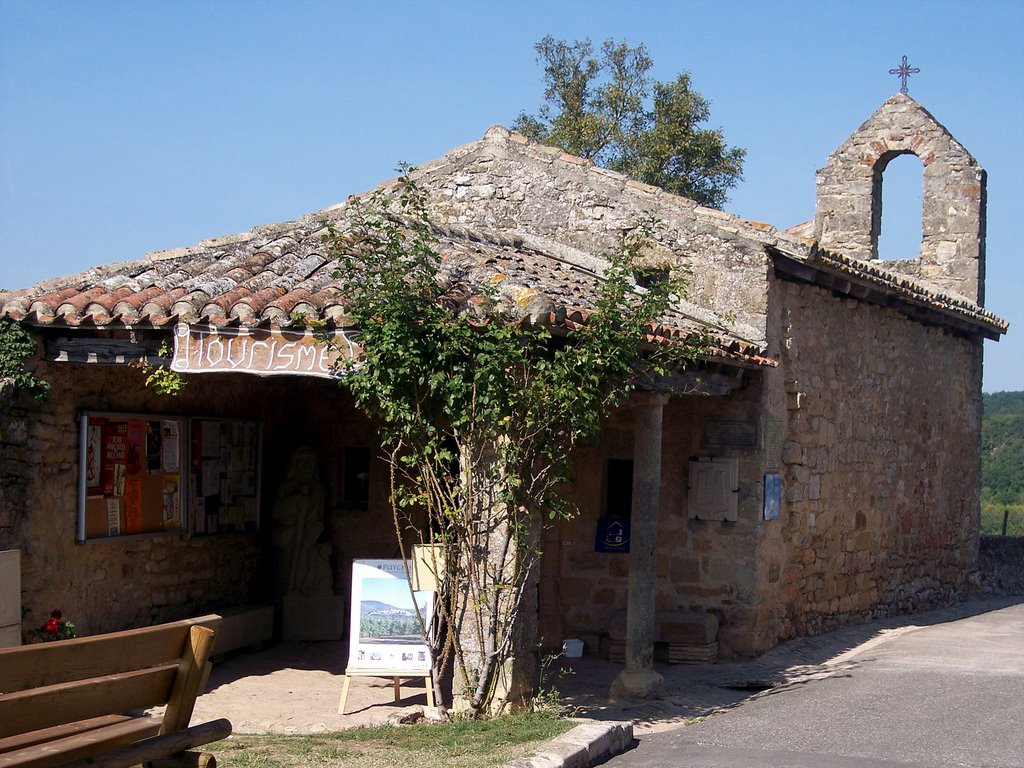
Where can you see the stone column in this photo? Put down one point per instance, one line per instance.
(639, 681)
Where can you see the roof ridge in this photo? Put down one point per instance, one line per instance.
(764, 232)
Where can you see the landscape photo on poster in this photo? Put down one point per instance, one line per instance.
(385, 632)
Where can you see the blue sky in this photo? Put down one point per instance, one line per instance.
(128, 127)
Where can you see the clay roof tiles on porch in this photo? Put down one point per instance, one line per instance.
(283, 275)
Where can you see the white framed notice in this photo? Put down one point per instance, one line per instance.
(385, 633)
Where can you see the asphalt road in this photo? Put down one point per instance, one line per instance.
(950, 694)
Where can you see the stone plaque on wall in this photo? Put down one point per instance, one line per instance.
(714, 485)
(735, 433)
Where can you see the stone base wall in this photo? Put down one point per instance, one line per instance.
(1001, 565)
(881, 465)
(111, 584)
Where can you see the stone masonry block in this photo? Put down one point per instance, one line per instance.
(792, 453)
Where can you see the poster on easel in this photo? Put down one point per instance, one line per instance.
(385, 633)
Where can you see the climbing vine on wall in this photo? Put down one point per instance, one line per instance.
(16, 346)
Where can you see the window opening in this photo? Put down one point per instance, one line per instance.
(357, 478)
(650, 277)
(618, 497)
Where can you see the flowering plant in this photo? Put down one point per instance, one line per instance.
(54, 628)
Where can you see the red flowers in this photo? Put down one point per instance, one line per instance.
(54, 628)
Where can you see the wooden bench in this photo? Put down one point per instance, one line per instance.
(80, 702)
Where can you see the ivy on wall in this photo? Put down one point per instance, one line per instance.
(16, 346)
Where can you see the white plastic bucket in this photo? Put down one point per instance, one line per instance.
(572, 649)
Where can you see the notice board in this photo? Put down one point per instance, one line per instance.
(146, 474)
(130, 475)
(224, 475)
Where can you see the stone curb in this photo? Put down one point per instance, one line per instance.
(582, 747)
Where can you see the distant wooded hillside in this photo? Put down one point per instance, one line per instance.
(1002, 463)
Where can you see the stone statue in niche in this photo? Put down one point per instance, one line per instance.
(301, 561)
(304, 581)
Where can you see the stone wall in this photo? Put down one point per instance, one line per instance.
(111, 584)
(881, 465)
(1001, 565)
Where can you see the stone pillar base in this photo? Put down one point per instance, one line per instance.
(312, 617)
(639, 685)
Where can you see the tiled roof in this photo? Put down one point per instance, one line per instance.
(864, 279)
(273, 274)
(795, 244)
(282, 275)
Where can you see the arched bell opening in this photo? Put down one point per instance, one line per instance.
(897, 215)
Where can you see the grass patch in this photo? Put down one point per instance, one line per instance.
(458, 744)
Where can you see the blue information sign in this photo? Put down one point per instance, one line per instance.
(612, 535)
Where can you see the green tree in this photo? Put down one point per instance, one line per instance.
(1002, 463)
(477, 410)
(608, 109)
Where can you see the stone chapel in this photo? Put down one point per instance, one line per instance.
(825, 470)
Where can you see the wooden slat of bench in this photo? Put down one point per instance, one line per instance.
(79, 745)
(157, 746)
(21, 740)
(49, 663)
(83, 699)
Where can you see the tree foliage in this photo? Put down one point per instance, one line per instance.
(1002, 462)
(607, 108)
(478, 411)
(159, 377)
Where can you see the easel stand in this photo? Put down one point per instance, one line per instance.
(396, 675)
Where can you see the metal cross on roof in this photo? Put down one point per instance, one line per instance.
(904, 71)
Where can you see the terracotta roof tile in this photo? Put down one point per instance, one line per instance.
(271, 278)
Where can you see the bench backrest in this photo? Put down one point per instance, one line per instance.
(51, 684)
